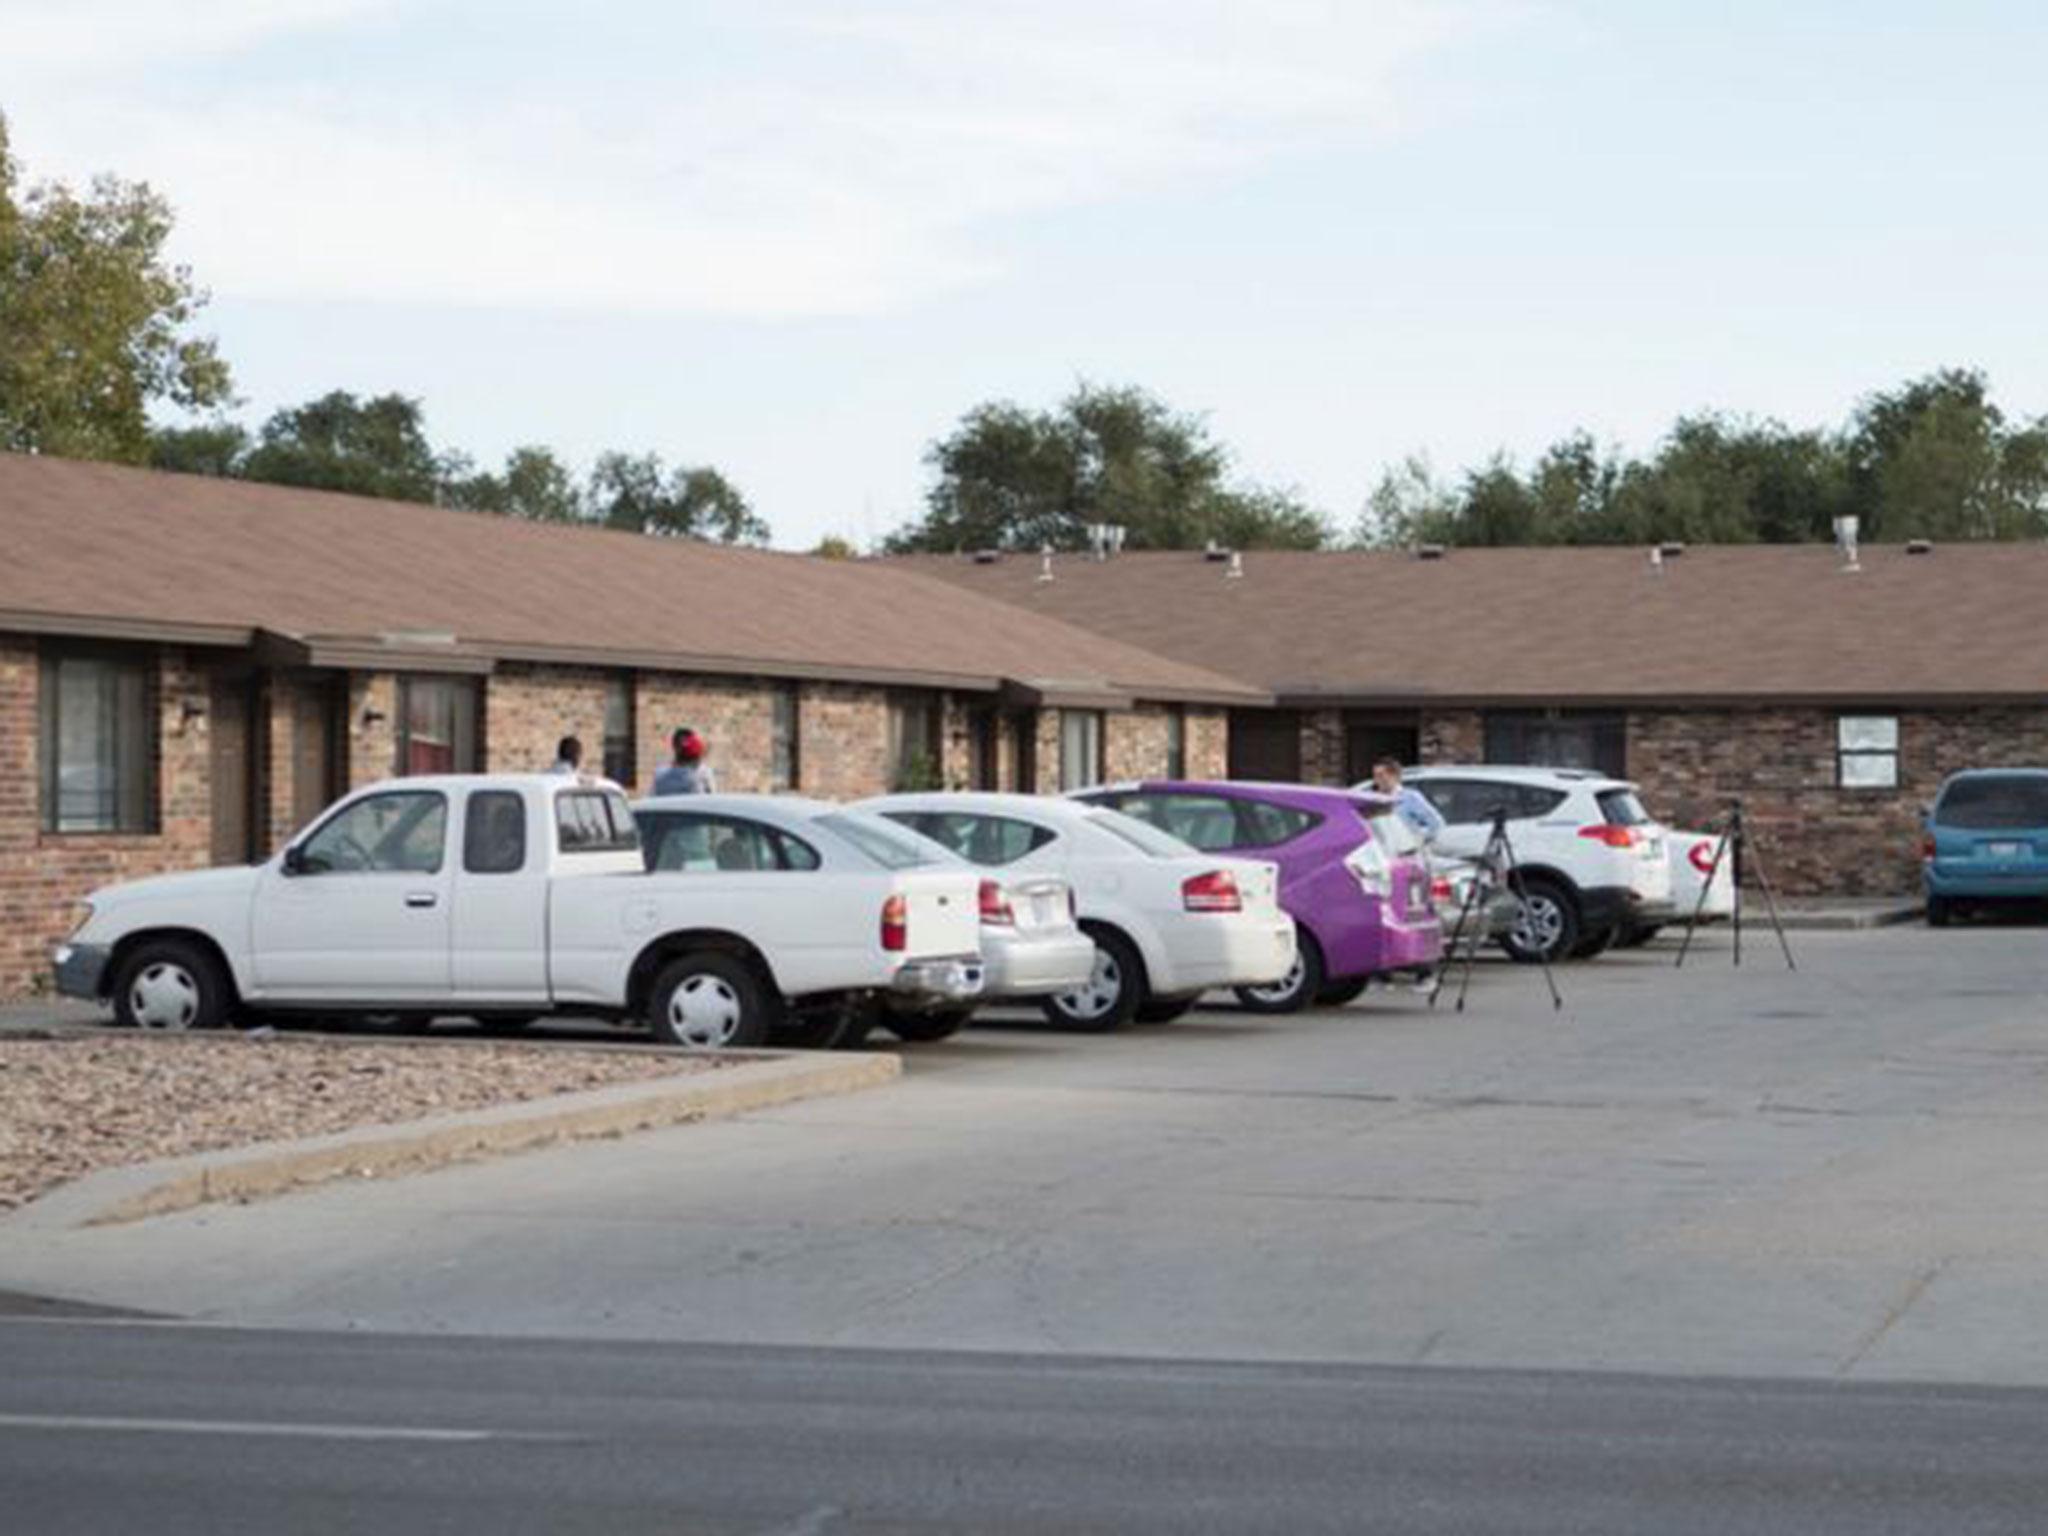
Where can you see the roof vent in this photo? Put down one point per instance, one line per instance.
(987, 556)
(1429, 551)
(1919, 546)
(1045, 564)
(1235, 570)
(1215, 553)
(1846, 531)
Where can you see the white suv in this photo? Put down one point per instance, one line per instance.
(1591, 861)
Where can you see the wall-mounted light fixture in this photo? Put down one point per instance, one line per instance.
(188, 711)
(372, 716)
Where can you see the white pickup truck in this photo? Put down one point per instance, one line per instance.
(504, 897)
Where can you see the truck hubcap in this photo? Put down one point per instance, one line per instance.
(164, 996)
(704, 1010)
(1105, 986)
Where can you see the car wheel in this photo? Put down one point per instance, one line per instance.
(1594, 945)
(710, 1000)
(1164, 1010)
(923, 1028)
(1336, 994)
(171, 984)
(1294, 991)
(1940, 911)
(1637, 937)
(1112, 994)
(505, 1023)
(1546, 926)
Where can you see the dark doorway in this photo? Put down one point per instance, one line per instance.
(234, 767)
(319, 746)
(1559, 738)
(1265, 744)
(1024, 751)
(984, 747)
(1368, 737)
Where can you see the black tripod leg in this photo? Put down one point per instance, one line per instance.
(1763, 883)
(1700, 906)
(1522, 892)
(1457, 932)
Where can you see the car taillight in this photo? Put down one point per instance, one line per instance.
(896, 924)
(1612, 836)
(1440, 891)
(1927, 848)
(1701, 856)
(995, 906)
(1214, 892)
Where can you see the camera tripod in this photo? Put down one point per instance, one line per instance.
(1733, 845)
(1497, 869)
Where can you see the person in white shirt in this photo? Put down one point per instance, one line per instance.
(568, 757)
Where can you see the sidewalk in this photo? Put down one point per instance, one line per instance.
(1809, 914)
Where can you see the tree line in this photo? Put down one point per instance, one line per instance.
(97, 330)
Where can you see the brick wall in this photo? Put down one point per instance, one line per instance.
(1323, 747)
(845, 741)
(529, 709)
(372, 743)
(1134, 744)
(1453, 736)
(43, 874)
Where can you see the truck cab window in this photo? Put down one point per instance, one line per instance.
(397, 833)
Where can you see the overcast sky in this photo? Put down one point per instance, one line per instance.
(797, 240)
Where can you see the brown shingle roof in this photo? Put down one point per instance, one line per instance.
(1719, 624)
(103, 549)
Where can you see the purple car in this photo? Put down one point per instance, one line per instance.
(1352, 875)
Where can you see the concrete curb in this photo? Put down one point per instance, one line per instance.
(377, 1151)
(1834, 919)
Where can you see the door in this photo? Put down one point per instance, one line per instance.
(500, 924)
(232, 768)
(1024, 751)
(1369, 738)
(362, 912)
(983, 740)
(1265, 744)
(317, 740)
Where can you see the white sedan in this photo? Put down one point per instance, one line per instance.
(1169, 923)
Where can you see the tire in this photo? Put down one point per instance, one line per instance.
(506, 1023)
(1294, 991)
(1594, 945)
(1111, 997)
(172, 984)
(858, 1021)
(1636, 938)
(711, 1000)
(1547, 927)
(1940, 911)
(1336, 994)
(1164, 1010)
(924, 1028)
(817, 1027)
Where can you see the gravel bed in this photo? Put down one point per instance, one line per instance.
(71, 1105)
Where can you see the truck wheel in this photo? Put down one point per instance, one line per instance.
(171, 984)
(814, 1027)
(1294, 991)
(1940, 910)
(1546, 925)
(922, 1028)
(709, 1000)
(1164, 1010)
(1111, 997)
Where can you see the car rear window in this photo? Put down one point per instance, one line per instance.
(1995, 801)
(976, 837)
(593, 821)
(885, 845)
(1622, 808)
(1147, 839)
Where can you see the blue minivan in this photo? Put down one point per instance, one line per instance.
(1987, 840)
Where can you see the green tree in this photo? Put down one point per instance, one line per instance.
(1936, 459)
(534, 485)
(374, 447)
(94, 323)
(639, 492)
(833, 547)
(1011, 478)
(214, 448)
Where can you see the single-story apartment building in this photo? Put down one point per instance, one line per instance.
(190, 668)
(1832, 691)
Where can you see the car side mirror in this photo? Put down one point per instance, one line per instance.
(294, 860)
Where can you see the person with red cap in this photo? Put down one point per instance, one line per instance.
(689, 774)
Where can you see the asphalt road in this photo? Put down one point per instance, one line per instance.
(181, 1431)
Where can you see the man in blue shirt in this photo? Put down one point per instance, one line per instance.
(689, 774)
(1412, 804)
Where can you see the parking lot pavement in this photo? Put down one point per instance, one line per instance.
(1838, 1172)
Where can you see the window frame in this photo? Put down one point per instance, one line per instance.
(1845, 753)
(621, 745)
(917, 724)
(1096, 728)
(143, 751)
(470, 821)
(466, 744)
(1177, 741)
(616, 838)
(786, 738)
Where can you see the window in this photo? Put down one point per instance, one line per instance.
(1207, 822)
(1080, 748)
(1177, 742)
(494, 833)
(879, 842)
(1621, 808)
(1995, 802)
(1464, 802)
(1558, 739)
(591, 821)
(98, 742)
(1147, 839)
(437, 725)
(1261, 824)
(1867, 751)
(786, 753)
(400, 832)
(987, 840)
(621, 762)
(685, 842)
(914, 760)
(1265, 744)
